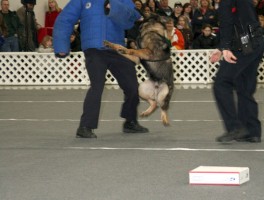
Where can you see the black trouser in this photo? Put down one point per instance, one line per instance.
(97, 63)
(240, 110)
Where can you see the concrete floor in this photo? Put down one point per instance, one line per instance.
(40, 158)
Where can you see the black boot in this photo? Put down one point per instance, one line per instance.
(83, 132)
(234, 135)
(134, 127)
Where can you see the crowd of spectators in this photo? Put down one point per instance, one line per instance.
(21, 32)
(192, 25)
(196, 20)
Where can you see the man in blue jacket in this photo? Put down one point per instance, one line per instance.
(101, 20)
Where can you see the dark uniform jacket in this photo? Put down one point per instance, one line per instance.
(237, 17)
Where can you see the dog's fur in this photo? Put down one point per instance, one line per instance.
(154, 54)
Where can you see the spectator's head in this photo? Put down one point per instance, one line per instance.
(183, 22)
(178, 8)
(152, 4)
(138, 4)
(147, 11)
(205, 4)
(29, 6)
(164, 3)
(261, 20)
(207, 30)
(47, 41)
(169, 23)
(255, 2)
(187, 8)
(194, 4)
(53, 5)
(5, 6)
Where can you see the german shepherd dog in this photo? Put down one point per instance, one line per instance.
(154, 54)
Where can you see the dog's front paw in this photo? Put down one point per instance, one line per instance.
(107, 43)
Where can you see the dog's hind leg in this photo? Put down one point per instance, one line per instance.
(164, 117)
(163, 92)
(147, 92)
(150, 109)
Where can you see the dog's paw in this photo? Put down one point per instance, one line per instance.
(107, 43)
(165, 118)
(144, 114)
(122, 51)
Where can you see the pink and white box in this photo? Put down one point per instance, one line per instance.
(215, 175)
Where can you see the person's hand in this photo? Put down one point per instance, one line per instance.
(229, 56)
(107, 7)
(215, 56)
(61, 55)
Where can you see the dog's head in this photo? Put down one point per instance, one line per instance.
(154, 23)
(152, 36)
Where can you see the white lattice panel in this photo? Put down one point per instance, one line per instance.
(31, 68)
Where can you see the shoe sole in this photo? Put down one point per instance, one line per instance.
(129, 131)
(248, 140)
(78, 136)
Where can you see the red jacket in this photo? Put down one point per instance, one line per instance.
(50, 18)
(177, 40)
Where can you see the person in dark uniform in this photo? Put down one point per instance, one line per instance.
(111, 20)
(242, 46)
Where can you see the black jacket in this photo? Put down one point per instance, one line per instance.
(239, 14)
(203, 42)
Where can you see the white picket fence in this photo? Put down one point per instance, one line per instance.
(32, 68)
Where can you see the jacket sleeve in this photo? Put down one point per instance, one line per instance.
(180, 44)
(123, 13)
(226, 27)
(64, 25)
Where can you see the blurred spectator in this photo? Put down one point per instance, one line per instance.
(147, 12)
(174, 35)
(207, 39)
(194, 5)
(177, 12)
(187, 12)
(164, 8)
(46, 46)
(13, 28)
(52, 13)
(260, 7)
(261, 21)
(255, 2)
(215, 4)
(3, 31)
(186, 30)
(204, 15)
(139, 6)
(28, 39)
(75, 42)
(133, 33)
(152, 4)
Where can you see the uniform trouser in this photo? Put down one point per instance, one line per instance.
(97, 63)
(234, 87)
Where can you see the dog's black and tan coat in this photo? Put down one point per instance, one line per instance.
(154, 54)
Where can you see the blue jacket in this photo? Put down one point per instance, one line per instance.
(95, 25)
